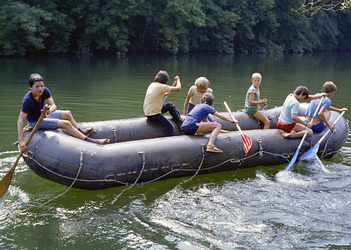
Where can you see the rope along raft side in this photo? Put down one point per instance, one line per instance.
(58, 157)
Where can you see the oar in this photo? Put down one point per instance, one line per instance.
(291, 163)
(6, 180)
(165, 98)
(312, 152)
(247, 142)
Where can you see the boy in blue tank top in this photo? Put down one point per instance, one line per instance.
(32, 105)
(322, 118)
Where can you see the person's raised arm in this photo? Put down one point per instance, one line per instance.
(21, 143)
(317, 96)
(178, 87)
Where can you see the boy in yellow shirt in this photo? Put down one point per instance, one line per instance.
(153, 107)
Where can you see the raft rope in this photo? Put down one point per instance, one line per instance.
(135, 182)
(260, 154)
(202, 161)
(74, 181)
(232, 160)
(325, 145)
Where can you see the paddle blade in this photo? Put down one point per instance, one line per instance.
(310, 154)
(5, 183)
(293, 160)
(247, 143)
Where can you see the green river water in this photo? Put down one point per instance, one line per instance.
(256, 208)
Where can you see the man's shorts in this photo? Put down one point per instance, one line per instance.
(49, 122)
(286, 127)
(318, 127)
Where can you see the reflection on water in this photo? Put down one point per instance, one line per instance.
(259, 208)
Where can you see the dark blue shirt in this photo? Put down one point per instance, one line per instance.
(198, 113)
(32, 107)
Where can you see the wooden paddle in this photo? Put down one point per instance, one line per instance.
(291, 163)
(247, 142)
(6, 180)
(165, 98)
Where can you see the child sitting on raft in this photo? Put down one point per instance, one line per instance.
(289, 121)
(323, 115)
(153, 107)
(200, 87)
(252, 101)
(196, 121)
(33, 103)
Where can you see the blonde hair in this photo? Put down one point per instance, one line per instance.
(202, 82)
(256, 75)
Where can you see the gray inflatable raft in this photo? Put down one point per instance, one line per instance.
(142, 156)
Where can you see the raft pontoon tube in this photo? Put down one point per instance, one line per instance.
(61, 158)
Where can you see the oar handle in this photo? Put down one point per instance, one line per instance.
(232, 116)
(43, 113)
(6, 179)
(316, 111)
(165, 98)
(307, 128)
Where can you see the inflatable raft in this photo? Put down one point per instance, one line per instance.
(138, 154)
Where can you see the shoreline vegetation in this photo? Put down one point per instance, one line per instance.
(120, 27)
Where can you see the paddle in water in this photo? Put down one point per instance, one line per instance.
(6, 180)
(247, 142)
(291, 163)
(312, 152)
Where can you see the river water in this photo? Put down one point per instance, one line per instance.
(257, 208)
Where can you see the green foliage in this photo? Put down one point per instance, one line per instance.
(172, 26)
(22, 28)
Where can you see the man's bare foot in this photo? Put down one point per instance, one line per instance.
(288, 134)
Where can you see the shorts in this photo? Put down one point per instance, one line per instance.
(318, 127)
(251, 110)
(190, 129)
(286, 127)
(49, 122)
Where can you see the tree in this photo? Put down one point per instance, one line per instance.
(314, 6)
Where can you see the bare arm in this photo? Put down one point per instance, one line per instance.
(297, 119)
(186, 103)
(21, 143)
(253, 102)
(178, 87)
(223, 117)
(321, 114)
(52, 104)
(312, 97)
(337, 109)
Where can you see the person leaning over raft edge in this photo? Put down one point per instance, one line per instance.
(322, 118)
(289, 121)
(197, 122)
(32, 105)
